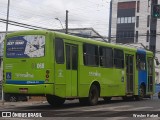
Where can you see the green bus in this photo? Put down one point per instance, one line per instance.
(61, 66)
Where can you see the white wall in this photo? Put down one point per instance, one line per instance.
(144, 11)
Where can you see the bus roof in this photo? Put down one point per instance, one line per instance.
(80, 39)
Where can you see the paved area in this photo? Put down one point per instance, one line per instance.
(19, 103)
(34, 101)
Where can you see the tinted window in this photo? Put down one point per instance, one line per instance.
(68, 62)
(137, 21)
(74, 58)
(106, 57)
(150, 66)
(147, 37)
(141, 62)
(90, 55)
(138, 6)
(118, 58)
(59, 50)
(148, 20)
(136, 36)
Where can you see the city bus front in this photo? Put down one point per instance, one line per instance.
(26, 64)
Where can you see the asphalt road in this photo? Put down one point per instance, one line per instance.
(148, 109)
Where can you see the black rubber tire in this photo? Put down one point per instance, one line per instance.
(54, 100)
(93, 95)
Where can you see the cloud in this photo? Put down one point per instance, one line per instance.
(82, 13)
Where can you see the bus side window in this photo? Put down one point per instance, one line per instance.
(102, 57)
(141, 62)
(106, 57)
(118, 58)
(90, 55)
(59, 50)
(150, 66)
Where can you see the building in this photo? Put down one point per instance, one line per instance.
(132, 22)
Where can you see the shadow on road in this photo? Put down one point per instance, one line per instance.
(70, 104)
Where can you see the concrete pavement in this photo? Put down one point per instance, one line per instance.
(42, 101)
(19, 103)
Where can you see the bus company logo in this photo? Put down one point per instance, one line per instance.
(95, 74)
(60, 73)
(40, 65)
(25, 75)
(6, 114)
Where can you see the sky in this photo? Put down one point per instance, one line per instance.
(42, 13)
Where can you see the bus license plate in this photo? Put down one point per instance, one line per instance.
(23, 90)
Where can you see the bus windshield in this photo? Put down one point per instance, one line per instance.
(28, 46)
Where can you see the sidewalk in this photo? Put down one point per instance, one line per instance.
(20, 103)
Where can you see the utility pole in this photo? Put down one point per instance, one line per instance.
(2, 43)
(110, 22)
(66, 21)
(7, 17)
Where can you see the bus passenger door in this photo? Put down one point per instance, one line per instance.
(71, 69)
(150, 75)
(129, 74)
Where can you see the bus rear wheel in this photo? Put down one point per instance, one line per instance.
(93, 95)
(54, 100)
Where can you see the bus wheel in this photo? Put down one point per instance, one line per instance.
(54, 100)
(141, 93)
(93, 95)
(107, 99)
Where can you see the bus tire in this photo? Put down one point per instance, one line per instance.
(107, 99)
(93, 95)
(54, 100)
(141, 93)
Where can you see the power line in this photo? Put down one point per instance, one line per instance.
(22, 24)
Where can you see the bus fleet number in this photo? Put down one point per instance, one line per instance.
(40, 65)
